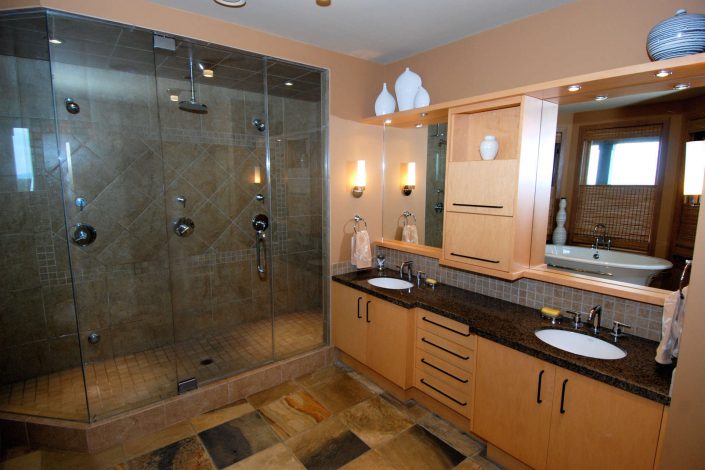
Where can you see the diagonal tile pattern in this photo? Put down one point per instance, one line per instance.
(377, 433)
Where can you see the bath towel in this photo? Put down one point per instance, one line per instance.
(671, 326)
(361, 249)
(410, 234)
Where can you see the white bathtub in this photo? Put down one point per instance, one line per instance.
(615, 265)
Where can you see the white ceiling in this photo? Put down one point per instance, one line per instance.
(383, 31)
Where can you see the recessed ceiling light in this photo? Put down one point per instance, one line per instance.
(323, 3)
(208, 73)
(231, 3)
(601, 97)
(681, 86)
(423, 114)
(387, 121)
(663, 73)
(55, 41)
(419, 125)
(289, 83)
(574, 88)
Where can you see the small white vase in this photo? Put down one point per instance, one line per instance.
(406, 87)
(559, 233)
(384, 104)
(422, 98)
(489, 147)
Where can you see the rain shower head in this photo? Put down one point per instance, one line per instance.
(192, 106)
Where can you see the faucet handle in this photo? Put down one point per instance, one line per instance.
(577, 318)
(617, 327)
(420, 275)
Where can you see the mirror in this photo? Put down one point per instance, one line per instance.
(620, 164)
(412, 210)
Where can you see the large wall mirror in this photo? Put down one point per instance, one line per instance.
(623, 169)
(414, 180)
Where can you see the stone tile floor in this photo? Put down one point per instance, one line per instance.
(332, 418)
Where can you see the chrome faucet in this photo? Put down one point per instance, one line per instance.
(602, 239)
(405, 267)
(594, 317)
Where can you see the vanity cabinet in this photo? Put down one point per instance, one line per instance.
(489, 204)
(375, 332)
(549, 417)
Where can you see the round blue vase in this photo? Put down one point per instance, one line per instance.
(680, 35)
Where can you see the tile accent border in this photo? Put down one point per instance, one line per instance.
(94, 437)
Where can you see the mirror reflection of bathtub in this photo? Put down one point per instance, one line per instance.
(614, 265)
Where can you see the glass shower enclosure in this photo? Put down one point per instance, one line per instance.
(166, 201)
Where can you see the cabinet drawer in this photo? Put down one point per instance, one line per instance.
(480, 240)
(454, 377)
(439, 391)
(446, 328)
(448, 351)
(482, 187)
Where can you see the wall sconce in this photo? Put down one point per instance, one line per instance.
(257, 179)
(360, 179)
(408, 178)
(694, 170)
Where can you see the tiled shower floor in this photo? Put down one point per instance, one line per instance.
(130, 381)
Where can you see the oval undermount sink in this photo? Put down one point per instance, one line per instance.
(580, 344)
(390, 283)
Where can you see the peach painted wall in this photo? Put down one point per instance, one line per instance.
(580, 37)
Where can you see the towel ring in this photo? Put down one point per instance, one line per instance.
(357, 220)
(406, 215)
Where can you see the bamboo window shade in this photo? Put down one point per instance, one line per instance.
(628, 211)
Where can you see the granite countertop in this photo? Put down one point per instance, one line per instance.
(513, 325)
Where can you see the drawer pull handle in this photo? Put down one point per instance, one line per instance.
(358, 307)
(464, 381)
(443, 393)
(367, 312)
(445, 327)
(464, 358)
(493, 261)
(563, 396)
(478, 205)
(538, 393)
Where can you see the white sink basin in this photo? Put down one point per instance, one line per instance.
(390, 283)
(578, 343)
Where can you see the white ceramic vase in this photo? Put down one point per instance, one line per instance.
(422, 98)
(406, 87)
(489, 147)
(559, 233)
(384, 104)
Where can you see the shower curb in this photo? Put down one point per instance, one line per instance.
(19, 430)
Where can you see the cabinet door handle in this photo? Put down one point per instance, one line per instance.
(367, 311)
(563, 396)
(477, 205)
(443, 393)
(494, 261)
(358, 307)
(464, 381)
(538, 393)
(464, 358)
(446, 328)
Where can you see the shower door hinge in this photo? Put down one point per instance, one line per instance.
(187, 385)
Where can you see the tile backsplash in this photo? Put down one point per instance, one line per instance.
(645, 319)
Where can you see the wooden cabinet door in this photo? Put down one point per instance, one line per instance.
(481, 240)
(482, 187)
(389, 341)
(348, 317)
(511, 411)
(600, 426)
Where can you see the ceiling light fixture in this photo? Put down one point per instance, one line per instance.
(289, 83)
(231, 3)
(55, 41)
(681, 86)
(574, 88)
(601, 97)
(663, 73)
(323, 3)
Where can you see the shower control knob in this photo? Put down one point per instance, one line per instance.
(71, 106)
(184, 227)
(93, 338)
(83, 234)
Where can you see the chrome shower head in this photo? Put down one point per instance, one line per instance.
(192, 106)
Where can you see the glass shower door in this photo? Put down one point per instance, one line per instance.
(215, 162)
(113, 192)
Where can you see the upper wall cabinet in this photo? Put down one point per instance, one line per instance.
(489, 203)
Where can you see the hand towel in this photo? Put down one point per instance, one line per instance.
(361, 249)
(410, 234)
(671, 326)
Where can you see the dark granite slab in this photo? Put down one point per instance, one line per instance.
(513, 326)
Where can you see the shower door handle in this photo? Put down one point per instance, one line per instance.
(259, 245)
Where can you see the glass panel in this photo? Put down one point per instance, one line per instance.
(221, 303)
(39, 350)
(297, 149)
(109, 145)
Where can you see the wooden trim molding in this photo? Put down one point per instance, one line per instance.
(413, 248)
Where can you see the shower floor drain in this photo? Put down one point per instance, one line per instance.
(206, 361)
